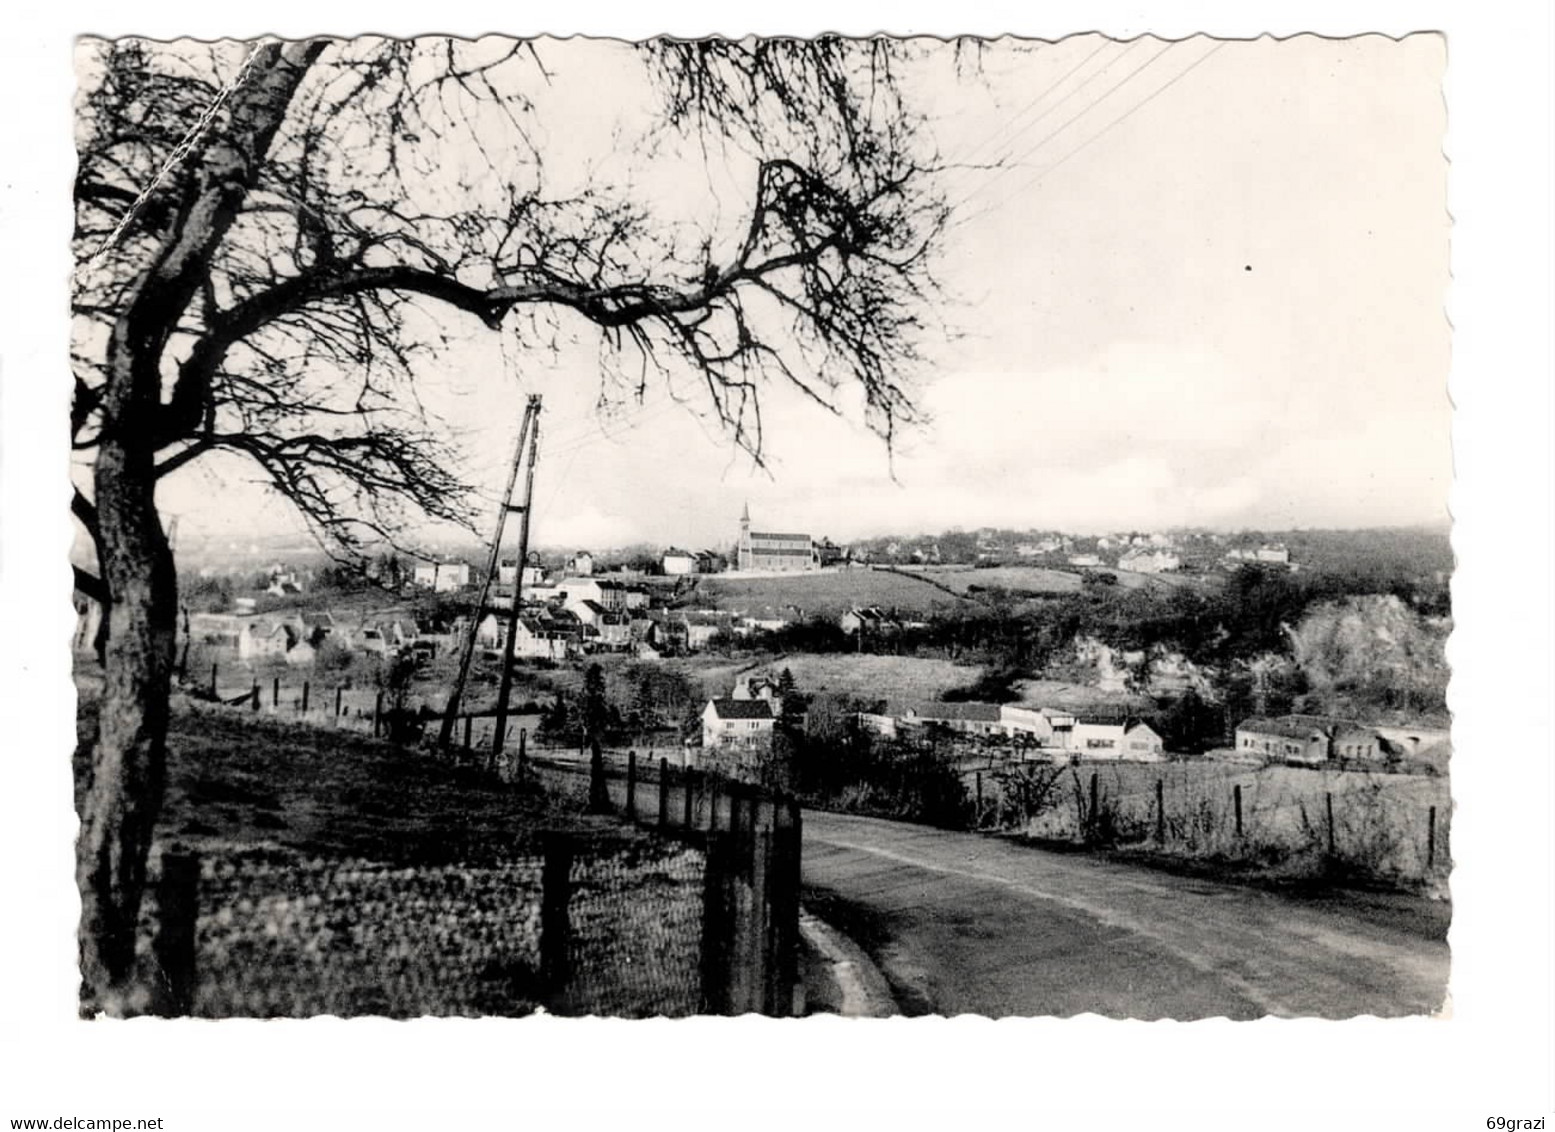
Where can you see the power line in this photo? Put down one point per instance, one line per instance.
(1071, 120)
(997, 138)
(1173, 81)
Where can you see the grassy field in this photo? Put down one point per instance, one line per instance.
(1019, 579)
(825, 595)
(876, 677)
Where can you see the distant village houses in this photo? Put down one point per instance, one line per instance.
(1145, 561)
(1269, 554)
(508, 573)
(442, 577)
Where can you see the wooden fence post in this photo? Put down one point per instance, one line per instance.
(254, 696)
(521, 766)
(469, 722)
(1095, 811)
(339, 697)
(1430, 839)
(377, 711)
(717, 909)
(688, 814)
(305, 689)
(664, 795)
(739, 912)
(783, 931)
(1160, 812)
(275, 692)
(173, 945)
(555, 925)
(1236, 800)
(631, 786)
(213, 681)
(758, 933)
(977, 819)
(599, 791)
(1328, 803)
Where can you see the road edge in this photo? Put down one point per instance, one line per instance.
(861, 989)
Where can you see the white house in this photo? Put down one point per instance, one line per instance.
(1084, 560)
(264, 640)
(581, 564)
(1098, 740)
(1141, 744)
(579, 593)
(737, 724)
(452, 576)
(1129, 741)
(1149, 561)
(508, 574)
(871, 619)
(677, 562)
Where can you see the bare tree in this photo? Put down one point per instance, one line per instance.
(307, 236)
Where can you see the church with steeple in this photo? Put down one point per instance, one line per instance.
(764, 551)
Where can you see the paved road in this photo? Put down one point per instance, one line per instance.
(967, 924)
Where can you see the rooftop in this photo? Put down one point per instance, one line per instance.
(741, 709)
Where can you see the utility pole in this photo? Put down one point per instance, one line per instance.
(505, 681)
(530, 429)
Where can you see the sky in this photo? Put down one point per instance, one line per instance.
(1187, 285)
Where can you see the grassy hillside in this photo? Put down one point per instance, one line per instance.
(236, 778)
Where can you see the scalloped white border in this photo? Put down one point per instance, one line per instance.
(1492, 1058)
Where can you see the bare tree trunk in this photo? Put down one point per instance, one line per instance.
(128, 764)
(129, 760)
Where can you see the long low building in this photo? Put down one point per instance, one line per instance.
(1060, 734)
(1312, 740)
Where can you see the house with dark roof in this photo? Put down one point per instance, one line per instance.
(869, 619)
(731, 724)
(265, 639)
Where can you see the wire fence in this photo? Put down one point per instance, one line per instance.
(689, 906)
(634, 943)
